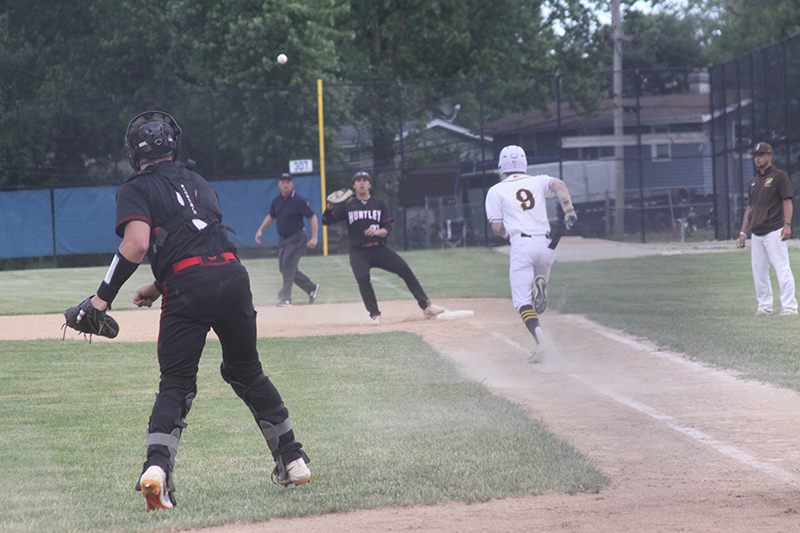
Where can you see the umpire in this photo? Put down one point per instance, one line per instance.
(173, 216)
(288, 210)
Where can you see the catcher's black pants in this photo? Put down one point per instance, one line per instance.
(362, 259)
(196, 299)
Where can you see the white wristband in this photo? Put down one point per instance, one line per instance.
(743, 234)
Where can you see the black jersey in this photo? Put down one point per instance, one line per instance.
(360, 215)
(149, 196)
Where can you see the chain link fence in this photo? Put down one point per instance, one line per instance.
(754, 99)
(648, 165)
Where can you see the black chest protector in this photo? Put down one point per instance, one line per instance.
(185, 187)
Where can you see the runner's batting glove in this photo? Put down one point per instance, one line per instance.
(570, 218)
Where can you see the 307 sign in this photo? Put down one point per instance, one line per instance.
(301, 166)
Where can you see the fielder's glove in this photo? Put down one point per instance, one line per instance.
(340, 196)
(86, 318)
(570, 218)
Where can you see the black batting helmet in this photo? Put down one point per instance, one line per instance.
(151, 135)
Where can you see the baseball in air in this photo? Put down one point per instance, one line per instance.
(282, 59)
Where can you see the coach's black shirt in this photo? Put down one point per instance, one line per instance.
(765, 198)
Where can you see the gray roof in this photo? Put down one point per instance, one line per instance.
(655, 110)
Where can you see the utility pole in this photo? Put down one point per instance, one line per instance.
(619, 148)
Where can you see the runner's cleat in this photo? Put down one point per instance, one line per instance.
(540, 294)
(537, 355)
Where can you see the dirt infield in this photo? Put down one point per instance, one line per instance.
(688, 448)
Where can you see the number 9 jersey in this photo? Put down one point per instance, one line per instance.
(519, 203)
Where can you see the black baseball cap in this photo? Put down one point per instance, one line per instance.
(286, 177)
(761, 148)
(362, 174)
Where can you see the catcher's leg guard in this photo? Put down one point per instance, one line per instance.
(164, 431)
(270, 414)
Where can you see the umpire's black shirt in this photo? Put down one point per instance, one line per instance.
(289, 212)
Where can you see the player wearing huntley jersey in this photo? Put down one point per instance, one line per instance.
(516, 208)
(369, 222)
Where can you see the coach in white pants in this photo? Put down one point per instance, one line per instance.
(769, 217)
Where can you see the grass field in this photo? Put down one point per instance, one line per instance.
(701, 305)
(388, 422)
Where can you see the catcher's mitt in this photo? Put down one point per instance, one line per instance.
(340, 196)
(86, 318)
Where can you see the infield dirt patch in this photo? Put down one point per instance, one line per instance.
(688, 448)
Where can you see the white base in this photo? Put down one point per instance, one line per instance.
(450, 315)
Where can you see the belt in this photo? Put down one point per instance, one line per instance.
(205, 260)
(292, 234)
(529, 236)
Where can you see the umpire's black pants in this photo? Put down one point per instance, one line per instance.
(290, 250)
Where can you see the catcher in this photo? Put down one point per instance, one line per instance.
(173, 216)
(369, 222)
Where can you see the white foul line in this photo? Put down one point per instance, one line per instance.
(699, 436)
(510, 342)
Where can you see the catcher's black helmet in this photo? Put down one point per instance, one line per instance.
(151, 135)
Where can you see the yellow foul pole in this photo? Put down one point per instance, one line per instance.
(322, 164)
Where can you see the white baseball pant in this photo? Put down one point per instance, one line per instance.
(530, 257)
(769, 250)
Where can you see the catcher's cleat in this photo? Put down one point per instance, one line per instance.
(153, 484)
(375, 320)
(312, 296)
(432, 311)
(296, 473)
(540, 294)
(285, 303)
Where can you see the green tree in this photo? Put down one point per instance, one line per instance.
(663, 45)
(734, 27)
(422, 39)
(145, 52)
(228, 47)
